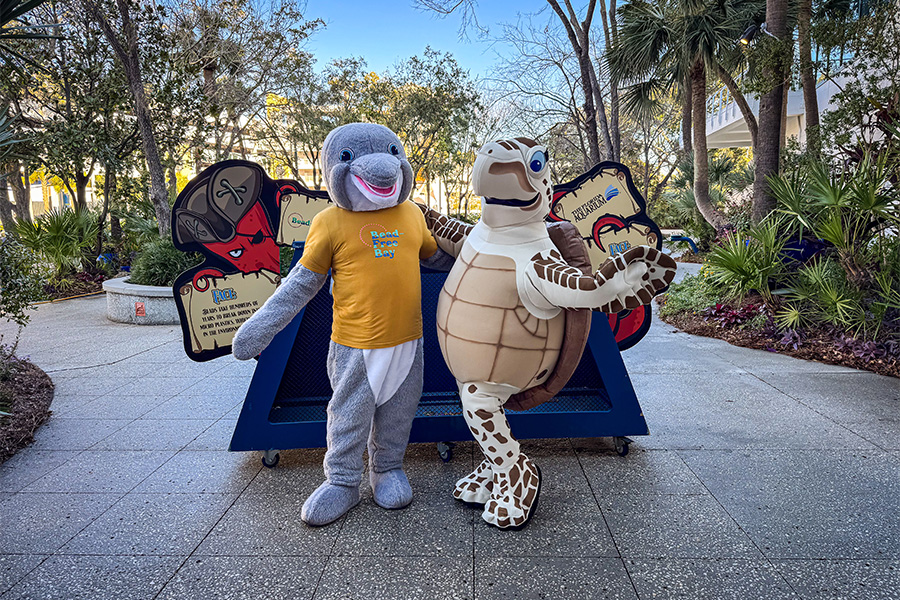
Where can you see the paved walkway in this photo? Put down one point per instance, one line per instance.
(764, 477)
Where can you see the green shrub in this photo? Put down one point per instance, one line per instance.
(20, 281)
(854, 285)
(748, 261)
(694, 293)
(63, 237)
(821, 294)
(285, 256)
(160, 263)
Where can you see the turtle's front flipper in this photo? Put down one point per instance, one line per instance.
(635, 277)
(450, 234)
(624, 281)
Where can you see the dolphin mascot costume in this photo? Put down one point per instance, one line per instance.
(372, 241)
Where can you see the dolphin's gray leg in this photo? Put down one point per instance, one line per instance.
(390, 436)
(350, 413)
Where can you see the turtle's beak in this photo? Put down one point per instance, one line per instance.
(499, 176)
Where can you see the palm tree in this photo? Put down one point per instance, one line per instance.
(682, 43)
(14, 28)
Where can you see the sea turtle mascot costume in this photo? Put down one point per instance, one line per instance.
(513, 314)
(372, 240)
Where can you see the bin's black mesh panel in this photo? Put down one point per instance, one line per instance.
(305, 375)
(304, 390)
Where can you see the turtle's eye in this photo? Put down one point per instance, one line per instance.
(537, 162)
(236, 253)
(346, 155)
(393, 149)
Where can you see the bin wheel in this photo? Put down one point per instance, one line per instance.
(270, 458)
(445, 450)
(621, 445)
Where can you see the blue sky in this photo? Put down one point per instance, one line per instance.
(386, 31)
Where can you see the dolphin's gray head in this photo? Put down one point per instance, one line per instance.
(365, 167)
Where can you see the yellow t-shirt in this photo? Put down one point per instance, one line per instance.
(374, 261)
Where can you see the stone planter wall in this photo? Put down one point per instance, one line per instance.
(139, 304)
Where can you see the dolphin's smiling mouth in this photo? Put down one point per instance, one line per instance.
(384, 192)
(511, 202)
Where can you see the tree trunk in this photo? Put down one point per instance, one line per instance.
(6, 209)
(109, 186)
(615, 134)
(590, 110)
(604, 124)
(22, 192)
(173, 181)
(158, 194)
(657, 191)
(686, 120)
(613, 137)
(115, 226)
(808, 77)
(579, 38)
(129, 56)
(741, 101)
(701, 156)
(81, 181)
(646, 132)
(771, 103)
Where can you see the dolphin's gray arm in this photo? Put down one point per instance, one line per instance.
(439, 261)
(257, 332)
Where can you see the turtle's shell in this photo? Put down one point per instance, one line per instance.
(486, 334)
(566, 238)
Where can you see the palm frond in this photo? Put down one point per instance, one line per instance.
(12, 10)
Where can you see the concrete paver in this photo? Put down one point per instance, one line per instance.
(764, 477)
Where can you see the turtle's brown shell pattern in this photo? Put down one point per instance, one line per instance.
(485, 332)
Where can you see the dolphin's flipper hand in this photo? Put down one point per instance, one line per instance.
(439, 261)
(257, 332)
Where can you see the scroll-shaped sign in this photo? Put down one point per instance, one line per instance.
(236, 217)
(611, 216)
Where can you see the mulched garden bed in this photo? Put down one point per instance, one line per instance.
(74, 285)
(29, 392)
(815, 345)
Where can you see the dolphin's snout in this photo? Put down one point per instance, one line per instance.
(381, 170)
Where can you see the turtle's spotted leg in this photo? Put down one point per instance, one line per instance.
(515, 480)
(476, 486)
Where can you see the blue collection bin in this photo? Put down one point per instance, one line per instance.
(286, 401)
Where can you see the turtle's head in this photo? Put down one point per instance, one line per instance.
(514, 181)
(365, 167)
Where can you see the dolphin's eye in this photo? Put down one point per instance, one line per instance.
(538, 160)
(393, 149)
(346, 155)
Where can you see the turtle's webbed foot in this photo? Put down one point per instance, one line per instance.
(514, 495)
(475, 488)
(636, 276)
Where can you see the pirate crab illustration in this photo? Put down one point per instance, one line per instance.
(223, 215)
(513, 314)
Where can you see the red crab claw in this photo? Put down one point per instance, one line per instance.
(286, 188)
(201, 278)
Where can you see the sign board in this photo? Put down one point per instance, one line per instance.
(611, 216)
(236, 217)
